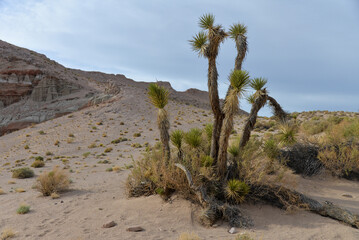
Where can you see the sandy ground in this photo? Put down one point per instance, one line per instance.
(97, 196)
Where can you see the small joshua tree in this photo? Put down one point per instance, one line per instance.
(159, 98)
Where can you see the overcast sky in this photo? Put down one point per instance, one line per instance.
(308, 49)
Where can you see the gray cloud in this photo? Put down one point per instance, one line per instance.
(308, 50)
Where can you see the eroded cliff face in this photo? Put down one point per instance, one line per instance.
(34, 88)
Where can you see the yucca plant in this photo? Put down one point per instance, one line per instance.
(271, 149)
(236, 190)
(207, 161)
(177, 140)
(233, 150)
(193, 137)
(287, 135)
(239, 82)
(206, 43)
(159, 98)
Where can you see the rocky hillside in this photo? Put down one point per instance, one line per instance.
(34, 88)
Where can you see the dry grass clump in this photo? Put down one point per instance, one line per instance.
(243, 237)
(22, 173)
(7, 234)
(339, 151)
(1, 192)
(189, 236)
(38, 164)
(53, 182)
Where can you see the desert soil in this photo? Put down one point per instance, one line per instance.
(97, 196)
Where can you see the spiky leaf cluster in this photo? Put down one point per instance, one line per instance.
(236, 30)
(237, 190)
(199, 43)
(158, 95)
(177, 138)
(258, 83)
(206, 21)
(239, 80)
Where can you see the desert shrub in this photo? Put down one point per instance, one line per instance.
(52, 182)
(151, 173)
(48, 153)
(315, 126)
(118, 140)
(302, 158)
(341, 160)
(335, 120)
(189, 236)
(86, 154)
(7, 234)
(107, 150)
(38, 164)
(243, 237)
(22, 173)
(23, 209)
(39, 158)
(255, 168)
(339, 151)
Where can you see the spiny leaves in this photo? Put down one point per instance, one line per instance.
(237, 29)
(158, 95)
(237, 190)
(206, 21)
(199, 43)
(258, 83)
(251, 98)
(177, 137)
(239, 80)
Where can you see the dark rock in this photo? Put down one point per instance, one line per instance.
(135, 229)
(109, 225)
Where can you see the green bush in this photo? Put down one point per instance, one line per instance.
(23, 209)
(22, 173)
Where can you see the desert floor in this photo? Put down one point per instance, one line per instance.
(98, 196)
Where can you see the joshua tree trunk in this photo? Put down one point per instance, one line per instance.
(241, 45)
(223, 144)
(216, 108)
(252, 118)
(277, 109)
(163, 126)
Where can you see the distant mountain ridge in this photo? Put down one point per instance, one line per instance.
(34, 88)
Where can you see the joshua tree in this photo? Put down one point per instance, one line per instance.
(159, 98)
(238, 33)
(259, 99)
(239, 81)
(207, 43)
